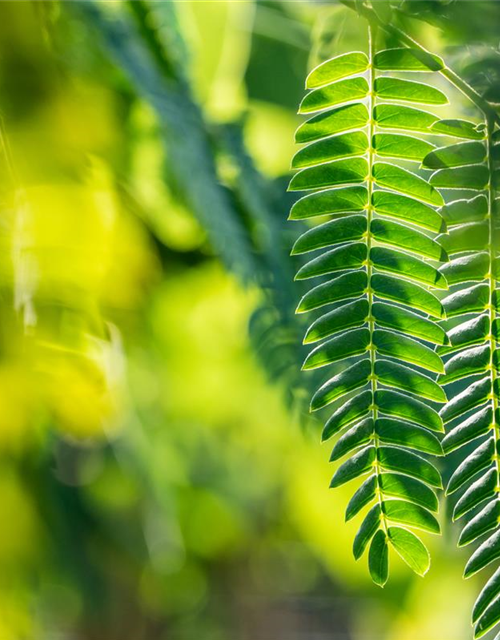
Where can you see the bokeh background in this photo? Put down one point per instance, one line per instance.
(160, 477)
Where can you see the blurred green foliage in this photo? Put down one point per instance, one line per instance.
(160, 477)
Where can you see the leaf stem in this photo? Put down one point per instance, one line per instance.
(372, 32)
(403, 38)
(492, 307)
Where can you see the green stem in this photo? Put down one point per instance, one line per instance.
(492, 306)
(402, 37)
(369, 266)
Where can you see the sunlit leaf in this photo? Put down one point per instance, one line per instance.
(402, 207)
(409, 323)
(348, 285)
(411, 549)
(331, 201)
(344, 118)
(404, 237)
(459, 129)
(398, 179)
(331, 233)
(345, 145)
(333, 94)
(471, 177)
(347, 380)
(348, 344)
(347, 171)
(347, 256)
(409, 91)
(413, 515)
(392, 116)
(392, 145)
(405, 59)
(455, 155)
(378, 558)
(347, 316)
(347, 64)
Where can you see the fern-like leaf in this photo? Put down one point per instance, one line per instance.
(472, 363)
(371, 248)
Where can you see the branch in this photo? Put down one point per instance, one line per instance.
(367, 12)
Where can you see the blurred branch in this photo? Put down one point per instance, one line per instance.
(187, 143)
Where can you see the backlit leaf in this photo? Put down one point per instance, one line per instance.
(347, 64)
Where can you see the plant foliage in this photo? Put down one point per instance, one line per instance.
(373, 253)
(472, 364)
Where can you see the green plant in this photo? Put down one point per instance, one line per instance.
(471, 369)
(381, 255)
(350, 192)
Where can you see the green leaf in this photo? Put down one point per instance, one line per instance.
(476, 425)
(471, 177)
(407, 266)
(410, 489)
(367, 530)
(348, 285)
(486, 520)
(478, 492)
(378, 559)
(347, 380)
(330, 202)
(475, 462)
(346, 316)
(471, 397)
(354, 143)
(348, 171)
(405, 59)
(466, 363)
(488, 552)
(472, 299)
(401, 377)
(357, 436)
(459, 129)
(403, 181)
(461, 211)
(408, 90)
(360, 463)
(411, 514)
(473, 236)
(406, 349)
(407, 293)
(392, 116)
(354, 409)
(347, 64)
(331, 233)
(407, 322)
(467, 334)
(411, 549)
(490, 591)
(398, 405)
(488, 620)
(344, 118)
(394, 145)
(398, 235)
(333, 94)
(363, 496)
(410, 464)
(466, 268)
(455, 155)
(406, 434)
(347, 256)
(348, 344)
(397, 206)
